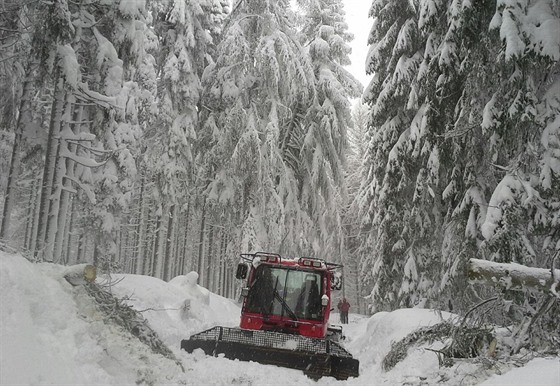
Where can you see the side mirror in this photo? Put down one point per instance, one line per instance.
(336, 282)
(324, 300)
(244, 292)
(241, 272)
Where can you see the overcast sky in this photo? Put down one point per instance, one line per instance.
(359, 25)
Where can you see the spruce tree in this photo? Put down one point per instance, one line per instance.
(461, 159)
(252, 98)
(325, 142)
(390, 170)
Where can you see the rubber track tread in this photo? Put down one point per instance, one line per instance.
(315, 357)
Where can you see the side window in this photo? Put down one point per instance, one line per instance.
(261, 291)
(309, 301)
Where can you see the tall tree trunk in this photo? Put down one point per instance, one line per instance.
(70, 233)
(63, 185)
(133, 243)
(130, 248)
(209, 260)
(168, 243)
(156, 251)
(199, 266)
(221, 263)
(176, 260)
(15, 159)
(30, 216)
(54, 205)
(149, 243)
(177, 242)
(357, 284)
(80, 250)
(185, 240)
(96, 251)
(50, 165)
(35, 219)
(121, 243)
(140, 254)
(82, 247)
(230, 283)
(223, 259)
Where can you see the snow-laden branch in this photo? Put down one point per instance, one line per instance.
(90, 148)
(70, 136)
(88, 162)
(99, 99)
(69, 189)
(86, 189)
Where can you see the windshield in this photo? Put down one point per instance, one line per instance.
(285, 292)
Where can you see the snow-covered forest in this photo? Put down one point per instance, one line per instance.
(159, 137)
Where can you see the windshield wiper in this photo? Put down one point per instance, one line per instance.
(285, 306)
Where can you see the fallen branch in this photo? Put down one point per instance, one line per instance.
(117, 311)
(511, 276)
(477, 306)
(459, 342)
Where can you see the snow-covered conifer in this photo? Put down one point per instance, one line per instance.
(326, 38)
(388, 217)
(255, 93)
(461, 161)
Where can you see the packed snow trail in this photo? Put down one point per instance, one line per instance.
(52, 333)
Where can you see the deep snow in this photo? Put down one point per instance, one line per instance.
(51, 333)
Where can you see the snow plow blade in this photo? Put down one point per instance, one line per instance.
(315, 357)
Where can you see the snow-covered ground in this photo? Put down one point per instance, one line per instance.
(51, 333)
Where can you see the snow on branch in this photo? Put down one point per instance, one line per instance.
(511, 190)
(88, 162)
(89, 148)
(85, 188)
(99, 99)
(69, 64)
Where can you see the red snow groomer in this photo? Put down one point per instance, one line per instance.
(284, 318)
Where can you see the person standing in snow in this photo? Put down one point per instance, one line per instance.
(343, 308)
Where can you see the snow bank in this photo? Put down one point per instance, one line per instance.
(32, 325)
(52, 334)
(373, 337)
(177, 309)
(538, 372)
